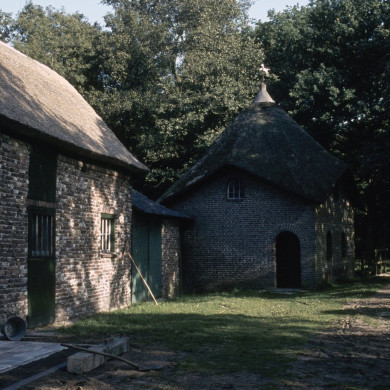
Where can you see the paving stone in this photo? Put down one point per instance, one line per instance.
(85, 361)
(17, 353)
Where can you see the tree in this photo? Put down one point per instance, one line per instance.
(5, 26)
(333, 64)
(176, 72)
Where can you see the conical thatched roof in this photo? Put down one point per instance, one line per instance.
(51, 110)
(265, 141)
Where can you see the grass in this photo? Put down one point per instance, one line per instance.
(257, 331)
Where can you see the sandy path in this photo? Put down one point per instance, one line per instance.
(355, 354)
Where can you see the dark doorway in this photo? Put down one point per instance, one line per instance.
(288, 260)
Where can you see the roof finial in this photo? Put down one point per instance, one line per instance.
(263, 96)
(264, 72)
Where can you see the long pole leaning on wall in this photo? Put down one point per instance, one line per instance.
(140, 274)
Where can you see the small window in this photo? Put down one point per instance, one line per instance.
(41, 233)
(329, 253)
(343, 245)
(235, 190)
(107, 233)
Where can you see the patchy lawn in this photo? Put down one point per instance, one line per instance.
(257, 332)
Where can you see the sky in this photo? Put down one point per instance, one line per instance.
(95, 11)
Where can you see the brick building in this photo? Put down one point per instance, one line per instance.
(65, 199)
(270, 207)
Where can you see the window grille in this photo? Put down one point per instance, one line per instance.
(107, 233)
(234, 189)
(42, 235)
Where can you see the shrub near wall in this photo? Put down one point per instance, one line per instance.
(89, 281)
(14, 163)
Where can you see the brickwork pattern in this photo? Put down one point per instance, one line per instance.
(89, 281)
(14, 163)
(171, 256)
(231, 243)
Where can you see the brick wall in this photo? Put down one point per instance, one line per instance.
(336, 216)
(171, 255)
(14, 162)
(87, 280)
(232, 243)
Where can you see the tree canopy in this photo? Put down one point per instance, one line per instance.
(176, 71)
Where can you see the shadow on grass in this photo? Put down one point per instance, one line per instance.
(234, 331)
(221, 342)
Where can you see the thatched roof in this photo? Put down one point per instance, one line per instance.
(148, 206)
(42, 105)
(266, 142)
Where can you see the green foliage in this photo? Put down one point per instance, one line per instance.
(5, 26)
(257, 331)
(333, 63)
(176, 73)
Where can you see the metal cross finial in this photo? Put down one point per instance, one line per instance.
(264, 71)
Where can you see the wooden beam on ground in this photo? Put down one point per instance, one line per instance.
(140, 274)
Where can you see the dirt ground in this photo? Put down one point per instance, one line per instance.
(352, 355)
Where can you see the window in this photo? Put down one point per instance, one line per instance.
(41, 232)
(235, 190)
(343, 245)
(329, 253)
(107, 233)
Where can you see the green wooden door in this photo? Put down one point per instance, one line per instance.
(146, 252)
(41, 237)
(41, 291)
(41, 267)
(140, 255)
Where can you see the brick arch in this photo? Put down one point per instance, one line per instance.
(270, 242)
(286, 227)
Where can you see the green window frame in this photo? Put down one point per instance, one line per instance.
(41, 222)
(107, 233)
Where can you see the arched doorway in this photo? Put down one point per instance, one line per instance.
(288, 260)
